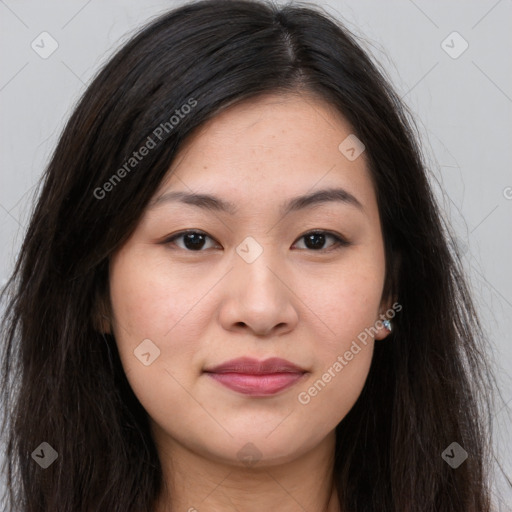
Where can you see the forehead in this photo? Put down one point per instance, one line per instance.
(267, 148)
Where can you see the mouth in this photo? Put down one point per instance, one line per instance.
(257, 378)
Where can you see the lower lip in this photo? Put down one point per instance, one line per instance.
(257, 385)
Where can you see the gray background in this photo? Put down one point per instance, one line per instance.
(462, 106)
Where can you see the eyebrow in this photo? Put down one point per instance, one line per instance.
(213, 203)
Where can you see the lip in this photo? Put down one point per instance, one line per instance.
(257, 378)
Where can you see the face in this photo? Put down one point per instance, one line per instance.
(258, 274)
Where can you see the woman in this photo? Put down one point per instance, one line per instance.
(236, 290)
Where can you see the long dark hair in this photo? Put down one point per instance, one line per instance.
(429, 383)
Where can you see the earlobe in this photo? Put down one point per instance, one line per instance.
(102, 310)
(102, 315)
(104, 325)
(384, 328)
(384, 324)
(101, 321)
(387, 325)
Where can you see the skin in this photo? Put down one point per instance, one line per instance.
(204, 307)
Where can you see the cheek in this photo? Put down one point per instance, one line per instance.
(332, 392)
(342, 366)
(347, 302)
(149, 297)
(150, 304)
(348, 307)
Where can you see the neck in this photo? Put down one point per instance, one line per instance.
(194, 483)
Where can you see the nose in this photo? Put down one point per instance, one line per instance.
(258, 298)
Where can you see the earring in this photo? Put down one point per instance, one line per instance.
(387, 325)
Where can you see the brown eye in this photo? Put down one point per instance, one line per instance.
(197, 241)
(315, 240)
(192, 240)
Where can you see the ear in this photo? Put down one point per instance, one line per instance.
(385, 307)
(101, 317)
(389, 304)
(102, 311)
(101, 324)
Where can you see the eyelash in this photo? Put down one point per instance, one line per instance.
(340, 242)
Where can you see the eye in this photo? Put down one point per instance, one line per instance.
(193, 240)
(316, 239)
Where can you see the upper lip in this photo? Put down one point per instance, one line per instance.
(248, 365)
